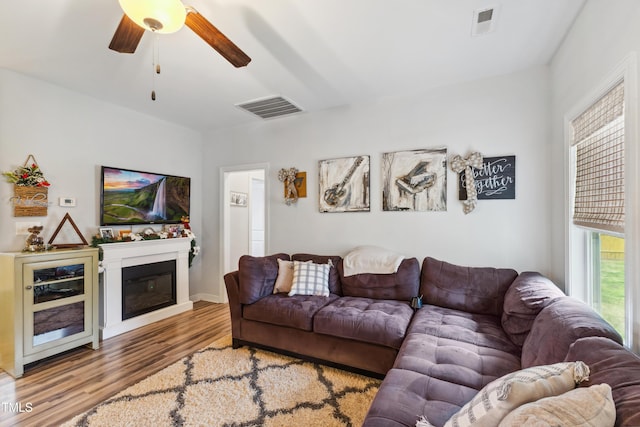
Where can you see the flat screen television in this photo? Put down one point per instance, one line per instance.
(129, 197)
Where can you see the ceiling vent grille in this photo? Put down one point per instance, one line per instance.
(484, 21)
(269, 108)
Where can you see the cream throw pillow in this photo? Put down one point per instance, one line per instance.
(285, 276)
(587, 406)
(503, 395)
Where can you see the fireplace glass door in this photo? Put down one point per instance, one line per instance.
(148, 287)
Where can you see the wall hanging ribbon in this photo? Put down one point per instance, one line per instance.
(288, 176)
(458, 165)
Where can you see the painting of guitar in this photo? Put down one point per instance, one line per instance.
(335, 194)
(351, 193)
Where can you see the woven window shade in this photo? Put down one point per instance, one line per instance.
(598, 136)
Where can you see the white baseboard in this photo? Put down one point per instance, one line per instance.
(206, 297)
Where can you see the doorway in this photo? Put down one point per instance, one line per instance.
(244, 214)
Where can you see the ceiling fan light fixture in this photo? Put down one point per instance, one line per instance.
(160, 16)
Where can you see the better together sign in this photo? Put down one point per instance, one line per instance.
(495, 180)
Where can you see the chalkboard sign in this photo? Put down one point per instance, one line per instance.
(495, 180)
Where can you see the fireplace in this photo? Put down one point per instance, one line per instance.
(148, 287)
(121, 256)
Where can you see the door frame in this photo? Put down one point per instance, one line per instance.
(225, 211)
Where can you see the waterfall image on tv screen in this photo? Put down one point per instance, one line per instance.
(134, 197)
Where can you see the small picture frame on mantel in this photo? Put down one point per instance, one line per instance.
(106, 233)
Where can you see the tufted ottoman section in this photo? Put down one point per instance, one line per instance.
(376, 321)
(446, 358)
(280, 309)
(406, 395)
(454, 362)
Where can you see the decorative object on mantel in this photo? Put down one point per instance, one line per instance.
(65, 219)
(495, 180)
(459, 165)
(415, 180)
(35, 242)
(30, 189)
(344, 184)
(150, 234)
(295, 184)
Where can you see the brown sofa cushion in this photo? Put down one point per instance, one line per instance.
(258, 276)
(280, 309)
(525, 298)
(381, 322)
(611, 363)
(472, 289)
(401, 285)
(334, 279)
(563, 321)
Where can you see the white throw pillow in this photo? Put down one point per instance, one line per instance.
(586, 406)
(503, 395)
(285, 276)
(310, 278)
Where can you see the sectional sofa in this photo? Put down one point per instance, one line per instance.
(475, 326)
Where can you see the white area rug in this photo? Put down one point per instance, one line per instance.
(219, 386)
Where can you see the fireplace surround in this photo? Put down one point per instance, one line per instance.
(119, 256)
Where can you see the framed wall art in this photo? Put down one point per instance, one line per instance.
(239, 199)
(344, 184)
(415, 180)
(495, 180)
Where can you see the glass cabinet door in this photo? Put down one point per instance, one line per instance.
(57, 282)
(56, 307)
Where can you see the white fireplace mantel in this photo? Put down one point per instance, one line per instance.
(119, 255)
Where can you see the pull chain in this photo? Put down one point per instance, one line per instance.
(156, 65)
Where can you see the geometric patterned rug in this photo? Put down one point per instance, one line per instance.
(220, 386)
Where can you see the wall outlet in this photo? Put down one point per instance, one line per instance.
(67, 202)
(22, 227)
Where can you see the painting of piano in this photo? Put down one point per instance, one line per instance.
(415, 180)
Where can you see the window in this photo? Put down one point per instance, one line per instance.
(598, 156)
(607, 284)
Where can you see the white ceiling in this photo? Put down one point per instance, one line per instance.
(317, 53)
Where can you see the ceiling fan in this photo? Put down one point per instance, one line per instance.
(168, 16)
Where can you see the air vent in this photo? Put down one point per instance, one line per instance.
(268, 108)
(484, 21)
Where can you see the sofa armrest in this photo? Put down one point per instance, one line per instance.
(232, 283)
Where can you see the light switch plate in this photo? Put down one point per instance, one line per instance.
(67, 202)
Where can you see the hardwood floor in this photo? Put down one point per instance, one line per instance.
(60, 387)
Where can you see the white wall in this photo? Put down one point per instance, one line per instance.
(71, 136)
(499, 116)
(602, 36)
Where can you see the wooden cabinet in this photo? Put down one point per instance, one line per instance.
(48, 304)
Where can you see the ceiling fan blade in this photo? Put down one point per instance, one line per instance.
(215, 38)
(127, 36)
